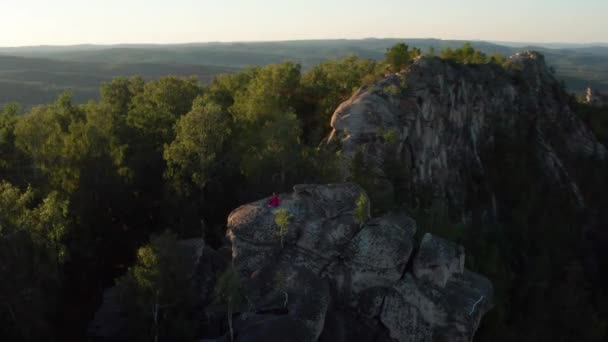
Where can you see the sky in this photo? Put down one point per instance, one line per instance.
(66, 22)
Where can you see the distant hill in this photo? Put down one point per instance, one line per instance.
(307, 52)
(33, 75)
(32, 81)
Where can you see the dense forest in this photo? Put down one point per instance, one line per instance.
(97, 193)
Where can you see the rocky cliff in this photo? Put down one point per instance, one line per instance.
(442, 115)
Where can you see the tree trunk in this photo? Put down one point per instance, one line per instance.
(230, 325)
(156, 321)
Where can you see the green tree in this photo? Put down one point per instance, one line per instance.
(466, 55)
(223, 88)
(12, 161)
(272, 153)
(399, 56)
(202, 136)
(53, 137)
(326, 86)
(119, 93)
(229, 292)
(32, 253)
(273, 89)
(154, 111)
(157, 292)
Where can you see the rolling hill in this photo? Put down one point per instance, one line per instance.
(31, 81)
(33, 75)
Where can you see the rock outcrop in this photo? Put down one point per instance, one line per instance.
(596, 99)
(334, 275)
(442, 115)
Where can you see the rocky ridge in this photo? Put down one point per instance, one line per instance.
(443, 114)
(339, 280)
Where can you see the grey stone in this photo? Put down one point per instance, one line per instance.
(438, 260)
(336, 276)
(446, 113)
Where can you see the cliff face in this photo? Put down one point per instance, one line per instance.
(443, 115)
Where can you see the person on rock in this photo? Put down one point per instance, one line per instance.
(274, 201)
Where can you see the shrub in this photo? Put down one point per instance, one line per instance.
(282, 220)
(361, 209)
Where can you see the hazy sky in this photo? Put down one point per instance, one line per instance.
(36, 22)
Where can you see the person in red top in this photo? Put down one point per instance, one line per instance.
(274, 201)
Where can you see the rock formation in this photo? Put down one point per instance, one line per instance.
(443, 114)
(338, 280)
(596, 99)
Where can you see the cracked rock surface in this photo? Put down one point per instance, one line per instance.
(444, 114)
(333, 275)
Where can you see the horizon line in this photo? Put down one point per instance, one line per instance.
(498, 42)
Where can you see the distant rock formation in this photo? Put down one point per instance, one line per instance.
(338, 280)
(444, 113)
(596, 99)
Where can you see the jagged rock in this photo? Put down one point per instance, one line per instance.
(444, 305)
(292, 306)
(336, 274)
(444, 114)
(418, 311)
(378, 254)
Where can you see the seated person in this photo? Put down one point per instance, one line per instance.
(274, 201)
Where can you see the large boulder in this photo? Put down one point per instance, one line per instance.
(419, 311)
(379, 253)
(321, 224)
(333, 274)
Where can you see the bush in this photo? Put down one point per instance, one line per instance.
(362, 209)
(282, 220)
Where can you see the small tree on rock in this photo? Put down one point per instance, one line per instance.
(282, 220)
(361, 209)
